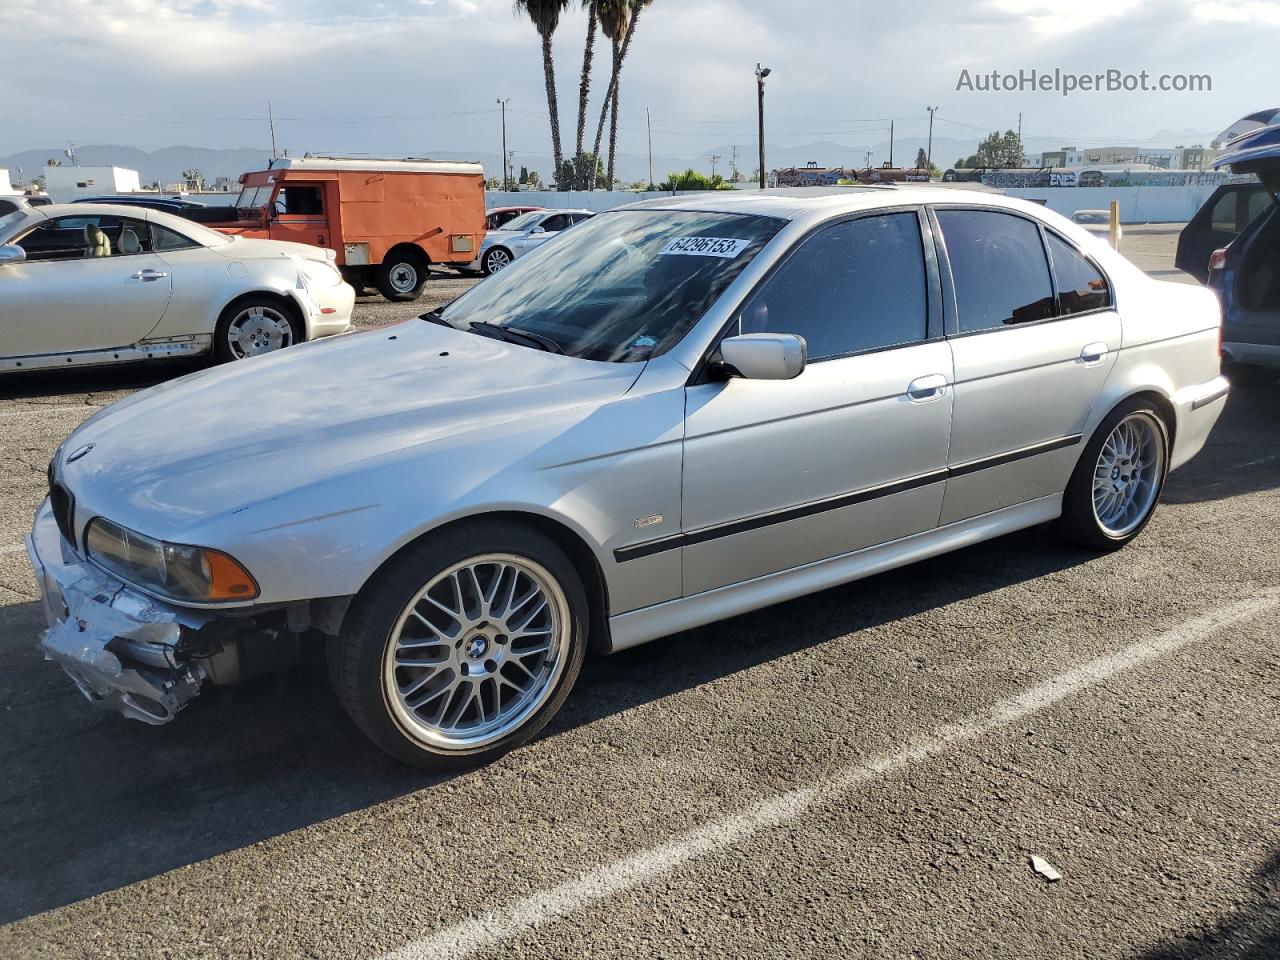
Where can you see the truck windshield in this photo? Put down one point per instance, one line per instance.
(624, 286)
(253, 197)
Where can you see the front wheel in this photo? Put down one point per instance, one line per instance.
(253, 326)
(1117, 483)
(464, 647)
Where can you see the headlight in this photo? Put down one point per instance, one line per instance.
(182, 573)
(320, 274)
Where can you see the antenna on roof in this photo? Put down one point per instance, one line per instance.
(271, 122)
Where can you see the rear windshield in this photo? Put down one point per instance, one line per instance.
(623, 286)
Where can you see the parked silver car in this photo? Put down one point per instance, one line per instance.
(525, 233)
(685, 410)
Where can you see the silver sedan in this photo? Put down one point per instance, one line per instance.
(86, 284)
(685, 410)
(526, 233)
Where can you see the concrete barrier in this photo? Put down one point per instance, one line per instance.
(1137, 204)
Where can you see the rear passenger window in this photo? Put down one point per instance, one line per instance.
(999, 269)
(854, 286)
(166, 239)
(1081, 285)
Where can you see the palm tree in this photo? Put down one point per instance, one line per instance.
(584, 90)
(545, 15)
(618, 19)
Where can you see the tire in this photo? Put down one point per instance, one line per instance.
(499, 258)
(1111, 518)
(254, 325)
(401, 277)
(427, 715)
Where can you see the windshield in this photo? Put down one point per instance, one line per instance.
(524, 221)
(10, 220)
(624, 286)
(253, 197)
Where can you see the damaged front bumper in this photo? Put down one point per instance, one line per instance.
(123, 650)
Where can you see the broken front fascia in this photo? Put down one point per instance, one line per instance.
(120, 647)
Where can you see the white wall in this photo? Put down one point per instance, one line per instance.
(596, 200)
(1137, 204)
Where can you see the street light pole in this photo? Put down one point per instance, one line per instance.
(928, 153)
(506, 166)
(761, 73)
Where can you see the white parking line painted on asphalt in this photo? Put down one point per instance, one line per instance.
(519, 916)
(85, 408)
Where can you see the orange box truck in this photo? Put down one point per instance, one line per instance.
(389, 221)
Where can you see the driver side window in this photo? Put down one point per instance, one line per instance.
(849, 288)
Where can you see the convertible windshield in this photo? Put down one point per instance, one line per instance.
(624, 286)
(523, 222)
(8, 221)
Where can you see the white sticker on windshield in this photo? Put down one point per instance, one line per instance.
(724, 247)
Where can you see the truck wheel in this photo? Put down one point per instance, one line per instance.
(401, 277)
(464, 646)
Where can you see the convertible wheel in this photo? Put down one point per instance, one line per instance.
(401, 278)
(463, 647)
(1117, 483)
(251, 328)
(496, 259)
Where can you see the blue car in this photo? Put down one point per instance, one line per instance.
(1246, 272)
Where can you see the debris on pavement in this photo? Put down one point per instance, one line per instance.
(1045, 869)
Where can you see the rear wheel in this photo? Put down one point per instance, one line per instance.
(1117, 483)
(463, 647)
(499, 258)
(401, 277)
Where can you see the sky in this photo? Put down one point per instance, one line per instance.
(413, 76)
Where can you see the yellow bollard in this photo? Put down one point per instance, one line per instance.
(1115, 224)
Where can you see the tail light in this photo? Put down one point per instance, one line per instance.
(1218, 259)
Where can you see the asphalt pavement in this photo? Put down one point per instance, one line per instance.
(866, 772)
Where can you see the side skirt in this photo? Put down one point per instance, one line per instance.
(648, 623)
(158, 349)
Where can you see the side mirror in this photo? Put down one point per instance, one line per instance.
(538, 230)
(12, 253)
(764, 356)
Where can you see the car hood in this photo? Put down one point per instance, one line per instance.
(257, 248)
(496, 236)
(221, 440)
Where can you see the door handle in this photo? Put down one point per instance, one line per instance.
(1093, 354)
(146, 276)
(925, 389)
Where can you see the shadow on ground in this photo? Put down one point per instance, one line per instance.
(92, 802)
(1251, 932)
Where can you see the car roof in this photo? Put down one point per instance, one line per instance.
(791, 203)
(514, 207)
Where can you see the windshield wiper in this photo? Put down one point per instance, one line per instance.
(525, 338)
(436, 316)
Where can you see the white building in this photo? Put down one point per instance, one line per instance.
(65, 184)
(6, 188)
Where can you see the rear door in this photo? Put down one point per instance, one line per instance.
(1034, 335)
(64, 298)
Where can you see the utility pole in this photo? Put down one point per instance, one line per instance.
(891, 143)
(649, 126)
(733, 163)
(506, 162)
(761, 73)
(715, 158)
(868, 161)
(928, 153)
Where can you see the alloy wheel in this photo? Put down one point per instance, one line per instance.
(477, 651)
(1126, 479)
(497, 260)
(257, 330)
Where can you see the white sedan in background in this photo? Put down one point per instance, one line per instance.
(525, 233)
(90, 284)
(1098, 223)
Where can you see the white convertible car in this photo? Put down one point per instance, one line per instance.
(88, 284)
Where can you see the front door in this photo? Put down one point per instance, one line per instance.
(853, 451)
(88, 283)
(1035, 335)
(299, 214)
